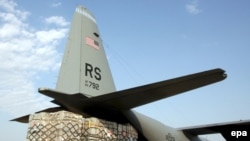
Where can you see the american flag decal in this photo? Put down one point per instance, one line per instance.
(92, 43)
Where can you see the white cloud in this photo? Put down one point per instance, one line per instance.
(57, 20)
(50, 36)
(193, 8)
(25, 53)
(8, 5)
(56, 4)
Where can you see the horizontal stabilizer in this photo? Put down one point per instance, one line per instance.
(115, 102)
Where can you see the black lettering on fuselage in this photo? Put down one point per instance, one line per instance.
(93, 72)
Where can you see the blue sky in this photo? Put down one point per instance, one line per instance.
(145, 42)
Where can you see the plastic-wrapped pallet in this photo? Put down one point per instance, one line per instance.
(67, 126)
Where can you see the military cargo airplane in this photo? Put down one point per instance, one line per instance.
(85, 86)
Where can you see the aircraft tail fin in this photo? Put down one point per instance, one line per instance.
(84, 68)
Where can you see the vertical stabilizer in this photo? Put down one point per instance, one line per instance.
(84, 67)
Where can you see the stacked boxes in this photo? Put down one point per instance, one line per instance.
(67, 126)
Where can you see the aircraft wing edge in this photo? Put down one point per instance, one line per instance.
(224, 128)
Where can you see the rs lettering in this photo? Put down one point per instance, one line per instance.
(93, 72)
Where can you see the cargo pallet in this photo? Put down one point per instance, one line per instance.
(67, 126)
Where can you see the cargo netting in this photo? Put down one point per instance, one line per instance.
(67, 126)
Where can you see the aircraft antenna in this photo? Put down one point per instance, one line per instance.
(125, 65)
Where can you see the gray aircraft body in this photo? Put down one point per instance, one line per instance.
(85, 86)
